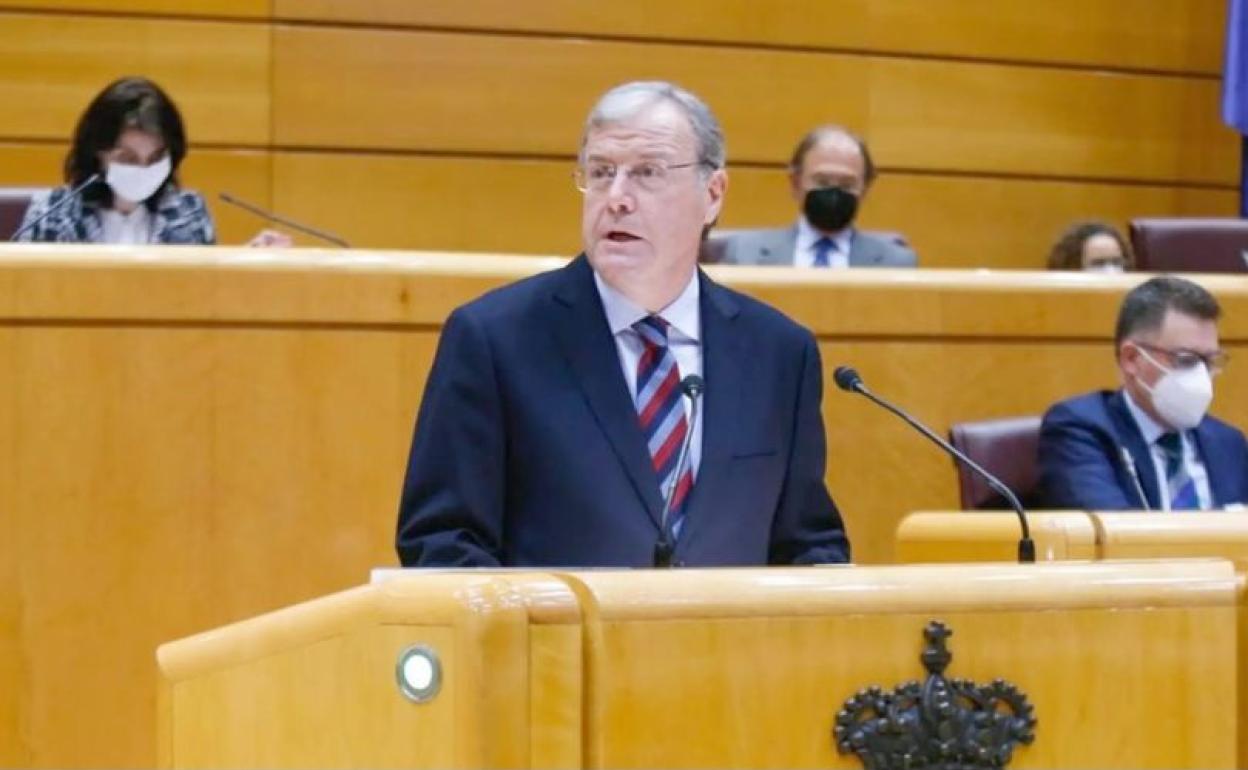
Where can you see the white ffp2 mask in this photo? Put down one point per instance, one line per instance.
(1182, 396)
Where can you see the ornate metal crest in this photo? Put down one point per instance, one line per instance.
(941, 724)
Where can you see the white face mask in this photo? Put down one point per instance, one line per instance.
(1105, 267)
(137, 183)
(1182, 396)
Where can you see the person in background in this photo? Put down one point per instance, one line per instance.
(1151, 443)
(1091, 246)
(829, 175)
(132, 136)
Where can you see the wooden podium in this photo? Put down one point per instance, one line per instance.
(1126, 664)
(933, 537)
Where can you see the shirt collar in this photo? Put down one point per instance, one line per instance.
(1149, 427)
(807, 235)
(682, 313)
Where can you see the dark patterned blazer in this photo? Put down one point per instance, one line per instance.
(180, 218)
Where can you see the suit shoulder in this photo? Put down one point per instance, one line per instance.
(1225, 430)
(751, 247)
(506, 302)
(1088, 407)
(892, 251)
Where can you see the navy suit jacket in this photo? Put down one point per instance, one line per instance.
(1082, 467)
(528, 452)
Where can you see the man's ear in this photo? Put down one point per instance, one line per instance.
(795, 186)
(716, 187)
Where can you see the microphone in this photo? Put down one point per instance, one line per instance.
(692, 386)
(1129, 461)
(62, 203)
(848, 380)
(254, 209)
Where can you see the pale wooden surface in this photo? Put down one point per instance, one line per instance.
(919, 114)
(994, 126)
(212, 433)
(510, 649)
(928, 537)
(1180, 36)
(744, 668)
(988, 536)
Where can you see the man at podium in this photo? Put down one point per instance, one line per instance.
(1150, 445)
(625, 410)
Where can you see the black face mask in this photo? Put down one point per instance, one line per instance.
(830, 208)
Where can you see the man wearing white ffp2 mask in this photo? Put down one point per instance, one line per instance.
(1150, 445)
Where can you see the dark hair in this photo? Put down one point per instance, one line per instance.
(1067, 253)
(1144, 308)
(131, 102)
(816, 134)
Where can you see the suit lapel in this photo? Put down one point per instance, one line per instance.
(1130, 437)
(722, 369)
(585, 339)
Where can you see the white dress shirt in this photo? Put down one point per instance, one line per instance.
(808, 236)
(1191, 458)
(684, 336)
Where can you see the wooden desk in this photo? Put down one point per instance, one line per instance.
(195, 436)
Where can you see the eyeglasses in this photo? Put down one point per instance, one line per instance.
(649, 175)
(1183, 358)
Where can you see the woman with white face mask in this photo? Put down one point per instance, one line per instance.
(131, 139)
(1095, 247)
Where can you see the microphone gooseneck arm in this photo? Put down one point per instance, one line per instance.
(269, 215)
(848, 379)
(692, 387)
(62, 203)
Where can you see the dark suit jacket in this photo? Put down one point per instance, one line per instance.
(528, 452)
(1082, 467)
(775, 247)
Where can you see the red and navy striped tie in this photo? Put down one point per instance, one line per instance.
(662, 415)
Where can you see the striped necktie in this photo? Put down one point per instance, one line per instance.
(662, 415)
(823, 248)
(1179, 483)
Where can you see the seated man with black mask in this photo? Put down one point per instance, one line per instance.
(829, 174)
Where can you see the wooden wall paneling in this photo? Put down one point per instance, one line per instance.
(247, 174)
(221, 8)
(956, 221)
(216, 72)
(112, 424)
(31, 165)
(383, 200)
(499, 94)
(319, 465)
(1179, 36)
(14, 748)
(436, 203)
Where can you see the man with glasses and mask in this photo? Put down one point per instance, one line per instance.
(829, 175)
(1150, 445)
(624, 410)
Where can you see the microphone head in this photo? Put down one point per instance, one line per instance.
(847, 378)
(693, 386)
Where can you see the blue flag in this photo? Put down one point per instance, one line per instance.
(1235, 88)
